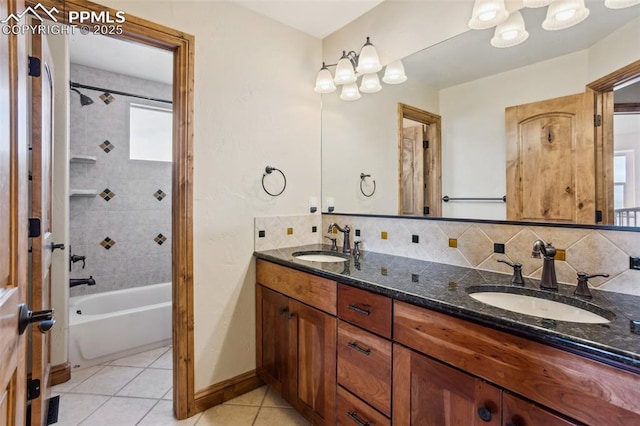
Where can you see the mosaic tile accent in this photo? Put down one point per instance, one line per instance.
(160, 239)
(159, 195)
(107, 98)
(107, 243)
(107, 194)
(107, 146)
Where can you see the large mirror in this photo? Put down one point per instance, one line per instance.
(468, 84)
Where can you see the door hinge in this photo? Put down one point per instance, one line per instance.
(34, 66)
(34, 227)
(425, 144)
(597, 120)
(33, 389)
(598, 216)
(425, 210)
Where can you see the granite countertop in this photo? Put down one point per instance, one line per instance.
(443, 288)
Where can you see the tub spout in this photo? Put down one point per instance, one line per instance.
(81, 281)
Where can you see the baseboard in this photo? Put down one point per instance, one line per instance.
(226, 390)
(59, 374)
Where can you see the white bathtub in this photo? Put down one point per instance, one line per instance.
(110, 325)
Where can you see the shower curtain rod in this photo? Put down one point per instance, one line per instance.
(116, 92)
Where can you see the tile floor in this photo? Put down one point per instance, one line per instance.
(137, 390)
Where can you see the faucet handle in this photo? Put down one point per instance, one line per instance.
(516, 278)
(356, 248)
(582, 288)
(334, 245)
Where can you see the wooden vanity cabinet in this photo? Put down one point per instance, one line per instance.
(427, 392)
(577, 387)
(296, 341)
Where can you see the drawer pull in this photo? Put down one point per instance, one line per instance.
(354, 345)
(359, 310)
(354, 416)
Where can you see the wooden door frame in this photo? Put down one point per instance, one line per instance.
(182, 45)
(603, 89)
(434, 156)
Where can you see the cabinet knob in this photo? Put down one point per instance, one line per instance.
(485, 414)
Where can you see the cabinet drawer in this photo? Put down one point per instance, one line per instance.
(368, 310)
(352, 411)
(310, 289)
(364, 366)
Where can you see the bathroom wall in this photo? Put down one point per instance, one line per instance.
(471, 244)
(124, 230)
(254, 106)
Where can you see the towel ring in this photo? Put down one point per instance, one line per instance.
(362, 178)
(267, 171)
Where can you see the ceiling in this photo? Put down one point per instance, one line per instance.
(318, 18)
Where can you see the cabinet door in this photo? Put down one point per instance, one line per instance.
(312, 363)
(427, 392)
(272, 311)
(518, 412)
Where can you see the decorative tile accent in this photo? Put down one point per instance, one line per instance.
(107, 98)
(453, 243)
(107, 146)
(159, 194)
(107, 194)
(415, 239)
(383, 235)
(357, 232)
(498, 247)
(314, 229)
(261, 234)
(160, 239)
(289, 231)
(561, 254)
(107, 243)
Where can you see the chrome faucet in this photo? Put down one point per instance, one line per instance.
(548, 280)
(346, 246)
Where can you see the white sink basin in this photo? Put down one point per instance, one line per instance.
(540, 307)
(319, 256)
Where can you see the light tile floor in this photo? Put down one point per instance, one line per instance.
(137, 390)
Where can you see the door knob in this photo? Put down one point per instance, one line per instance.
(26, 317)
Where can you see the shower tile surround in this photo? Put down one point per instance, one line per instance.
(124, 231)
(588, 250)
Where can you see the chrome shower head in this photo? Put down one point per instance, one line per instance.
(84, 99)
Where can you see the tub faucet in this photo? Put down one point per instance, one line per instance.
(548, 280)
(81, 281)
(346, 246)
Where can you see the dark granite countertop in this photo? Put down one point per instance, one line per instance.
(443, 288)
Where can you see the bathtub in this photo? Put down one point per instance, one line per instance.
(113, 324)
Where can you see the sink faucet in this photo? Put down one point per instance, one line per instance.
(346, 246)
(548, 280)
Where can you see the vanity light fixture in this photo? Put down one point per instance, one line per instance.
(620, 4)
(510, 28)
(511, 32)
(487, 14)
(563, 14)
(351, 66)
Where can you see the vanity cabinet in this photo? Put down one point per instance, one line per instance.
(364, 356)
(296, 339)
(577, 387)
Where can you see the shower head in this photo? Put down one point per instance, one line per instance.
(84, 99)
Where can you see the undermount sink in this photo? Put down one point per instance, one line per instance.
(320, 256)
(542, 304)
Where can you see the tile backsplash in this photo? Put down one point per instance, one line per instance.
(472, 244)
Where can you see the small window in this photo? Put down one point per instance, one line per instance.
(150, 133)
